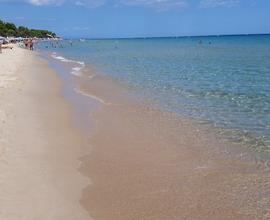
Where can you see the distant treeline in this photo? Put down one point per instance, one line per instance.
(11, 30)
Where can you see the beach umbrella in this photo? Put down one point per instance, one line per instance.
(48, 35)
(4, 40)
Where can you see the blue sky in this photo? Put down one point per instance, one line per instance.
(140, 18)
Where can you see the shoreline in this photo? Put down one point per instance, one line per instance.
(150, 164)
(255, 141)
(39, 145)
(80, 87)
(132, 162)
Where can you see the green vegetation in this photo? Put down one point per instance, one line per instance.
(10, 30)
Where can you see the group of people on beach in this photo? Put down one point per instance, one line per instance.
(4, 46)
(27, 43)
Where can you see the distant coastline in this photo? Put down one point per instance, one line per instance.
(8, 29)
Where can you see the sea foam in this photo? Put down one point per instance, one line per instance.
(75, 70)
(92, 96)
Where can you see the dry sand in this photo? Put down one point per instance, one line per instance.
(39, 147)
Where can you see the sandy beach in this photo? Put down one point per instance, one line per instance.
(134, 110)
(39, 146)
(143, 163)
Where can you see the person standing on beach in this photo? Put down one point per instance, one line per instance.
(31, 44)
(1, 42)
(26, 43)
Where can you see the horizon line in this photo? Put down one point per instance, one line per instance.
(151, 37)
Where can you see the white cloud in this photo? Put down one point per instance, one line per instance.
(45, 2)
(160, 5)
(218, 3)
(85, 3)
(89, 3)
(157, 4)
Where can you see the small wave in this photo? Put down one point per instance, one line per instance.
(92, 97)
(81, 63)
(63, 59)
(76, 71)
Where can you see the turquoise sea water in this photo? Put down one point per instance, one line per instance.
(224, 80)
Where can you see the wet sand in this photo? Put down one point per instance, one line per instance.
(149, 164)
(39, 145)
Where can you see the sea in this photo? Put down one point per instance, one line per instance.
(220, 80)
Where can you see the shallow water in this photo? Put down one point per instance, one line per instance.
(149, 163)
(224, 80)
